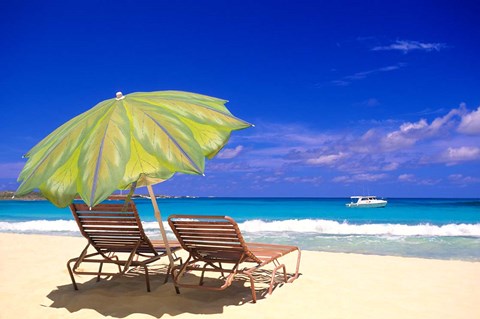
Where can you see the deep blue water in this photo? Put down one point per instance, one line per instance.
(430, 228)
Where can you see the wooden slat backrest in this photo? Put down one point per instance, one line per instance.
(211, 238)
(108, 228)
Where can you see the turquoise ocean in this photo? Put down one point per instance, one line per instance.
(427, 228)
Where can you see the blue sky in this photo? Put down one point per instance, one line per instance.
(346, 97)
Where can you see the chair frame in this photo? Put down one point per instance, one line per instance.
(114, 230)
(212, 240)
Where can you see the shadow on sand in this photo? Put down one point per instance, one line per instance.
(121, 296)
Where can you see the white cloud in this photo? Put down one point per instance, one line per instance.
(267, 162)
(409, 127)
(459, 179)
(369, 135)
(410, 133)
(346, 80)
(410, 178)
(272, 179)
(397, 140)
(407, 45)
(461, 154)
(366, 177)
(470, 123)
(341, 179)
(377, 152)
(305, 180)
(391, 166)
(407, 135)
(369, 177)
(286, 134)
(230, 152)
(326, 159)
(407, 178)
(448, 121)
(429, 181)
(217, 166)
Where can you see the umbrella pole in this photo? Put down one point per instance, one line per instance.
(129, 196)
(160, 224)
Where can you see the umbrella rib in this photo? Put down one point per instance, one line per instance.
(220, 112)
(54, 145)
(140, 161)
(175, 142)
(204, 106)
(97, 166)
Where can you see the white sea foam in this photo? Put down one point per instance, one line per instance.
(317, 226)
(331, 227)
(40, 226)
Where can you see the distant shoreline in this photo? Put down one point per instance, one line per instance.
(37, 196)
(33, 196)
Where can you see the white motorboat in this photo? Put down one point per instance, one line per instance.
(367, 202)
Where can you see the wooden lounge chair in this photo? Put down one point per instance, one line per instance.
(213, 241)
(115, 233)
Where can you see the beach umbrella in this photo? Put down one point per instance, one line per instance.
(129, 141)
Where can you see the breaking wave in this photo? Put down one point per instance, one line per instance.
(317, 226)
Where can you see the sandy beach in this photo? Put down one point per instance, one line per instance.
(35, 284)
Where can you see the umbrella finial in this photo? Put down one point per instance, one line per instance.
(120, 96)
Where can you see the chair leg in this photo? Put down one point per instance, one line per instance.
(200, 283)
(71, 273)
(147, 278)
(295, 276)
(179, 274)
(168, 274)
(177, 290)
(99, 271)
(116, 258)
(170, 268)
(252, 287)
(274, 272)
(220, 265)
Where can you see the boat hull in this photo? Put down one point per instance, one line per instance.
(367, 205)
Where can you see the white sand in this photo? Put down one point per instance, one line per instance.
(34, 283)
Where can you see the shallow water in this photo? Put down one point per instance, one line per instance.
(429, 228)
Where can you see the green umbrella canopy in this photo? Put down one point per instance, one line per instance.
(139, 137)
